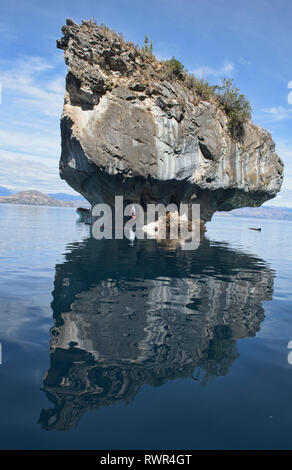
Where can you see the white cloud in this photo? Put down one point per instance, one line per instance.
(283, 199)
(205, 71)
(278, 113)
(33, 90)
(19, 172)
(28, 82)
(31, 141)
(290, 94)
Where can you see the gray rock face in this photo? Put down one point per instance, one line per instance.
(125, 131)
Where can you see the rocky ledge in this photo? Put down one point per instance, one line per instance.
(128, 131)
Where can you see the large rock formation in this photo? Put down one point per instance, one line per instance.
(128, 131)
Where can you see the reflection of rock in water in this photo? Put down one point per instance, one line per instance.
(130, 316)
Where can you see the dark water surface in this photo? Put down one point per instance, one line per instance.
(118, 345)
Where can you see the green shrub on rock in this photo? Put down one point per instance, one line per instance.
(235, 105)
(173, 69)
(147, 48)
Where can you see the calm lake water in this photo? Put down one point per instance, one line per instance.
(117, 345)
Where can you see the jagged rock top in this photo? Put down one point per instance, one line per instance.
(127, 130)
(94, 54)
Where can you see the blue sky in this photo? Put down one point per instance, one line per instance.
(250, 41)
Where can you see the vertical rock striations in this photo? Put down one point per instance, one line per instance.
(128, 131)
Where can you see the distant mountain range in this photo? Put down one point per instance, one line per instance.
(263, 212)
(36, 198)
(32, 197)
(61, 196)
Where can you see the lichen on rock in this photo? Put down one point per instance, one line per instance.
(127, 131)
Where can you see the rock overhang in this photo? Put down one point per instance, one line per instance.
(125, 132)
